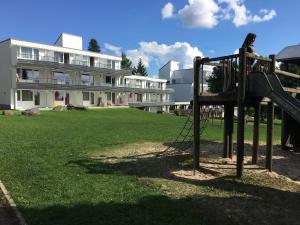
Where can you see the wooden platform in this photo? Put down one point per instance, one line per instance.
(217, 99)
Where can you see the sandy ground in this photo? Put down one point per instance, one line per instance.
(286, 164)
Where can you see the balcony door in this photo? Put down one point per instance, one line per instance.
(67, 99)
(113, 98)
(66, 58)
(113, 81)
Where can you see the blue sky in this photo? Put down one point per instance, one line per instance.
(123, 25)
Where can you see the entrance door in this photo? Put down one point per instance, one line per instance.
(92, 99)
(113, 98)
(37, 98)
(92, 61)
(67, 99)
(66, 58)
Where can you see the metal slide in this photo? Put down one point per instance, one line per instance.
(269, 85)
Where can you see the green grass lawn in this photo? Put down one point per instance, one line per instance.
(37, 156)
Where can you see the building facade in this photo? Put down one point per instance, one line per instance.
(34, 75)
(181, 80)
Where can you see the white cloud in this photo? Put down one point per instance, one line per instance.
(208, 13)
(167, 11)
(149, 52)
(240, 16)
(199, 13)
(237, 51)
(113, 48)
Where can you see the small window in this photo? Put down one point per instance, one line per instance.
(59, 95)
(87, 80)
(108, 79)
(27, 95)
(85, 96)
(26, 53)
(18, 95)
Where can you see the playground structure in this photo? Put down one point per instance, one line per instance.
(247, 86)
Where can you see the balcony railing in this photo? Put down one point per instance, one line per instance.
(76, 82)
(34, 57)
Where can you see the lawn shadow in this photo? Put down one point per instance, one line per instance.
(250, 203)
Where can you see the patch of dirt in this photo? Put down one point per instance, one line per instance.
(286, 165)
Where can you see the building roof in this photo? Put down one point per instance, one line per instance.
(61, 49)
(289, 53)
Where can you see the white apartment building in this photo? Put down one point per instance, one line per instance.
(181, 80)
(34, 75)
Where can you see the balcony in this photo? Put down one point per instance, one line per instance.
(73, 84)
(25, 57)
(150, 103)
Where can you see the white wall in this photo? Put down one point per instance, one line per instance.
(69, 41)
(182, 92)
(166, 71)
(7, 95)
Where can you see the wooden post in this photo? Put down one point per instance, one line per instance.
(270, 118)
(196, 112)
(257, 112)
(226, 132)
(241, 111)
(284, 133)
(231, 128)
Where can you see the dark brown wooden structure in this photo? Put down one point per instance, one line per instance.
(239, 90)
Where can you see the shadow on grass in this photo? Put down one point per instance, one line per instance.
(248, 203)
(263, 206)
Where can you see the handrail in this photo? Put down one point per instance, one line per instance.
(206, 60)
(288, 74)
(261, 58)
(292, 90)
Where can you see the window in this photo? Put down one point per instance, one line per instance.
(27, 95)
(108, 79)
(36, 54)
(85, 96)
(87, 80)
(113, 64)
(18, 95)
(139, 97)
(26, 53)
(108, 96)
(28, 74)
(109, 64)
(59, 95)
(85, 60)
(58, 57)
(61, 78)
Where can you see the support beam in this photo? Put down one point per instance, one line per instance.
(231, 128)
(196, 112)
(257, 112)
(284, 133)
(241, 112)
(228, 130)
(270, 118)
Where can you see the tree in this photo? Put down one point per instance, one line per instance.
(141, 69)
(94, 46)
(126, 63)
(215, 81)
